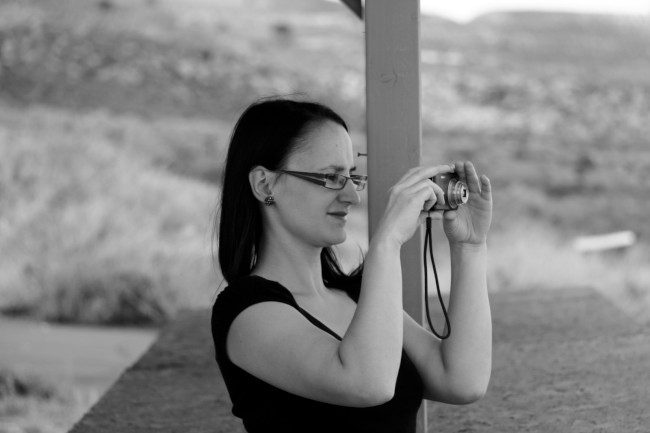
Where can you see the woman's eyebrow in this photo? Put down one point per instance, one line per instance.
(338, 168)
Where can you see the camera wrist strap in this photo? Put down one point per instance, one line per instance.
(428, 243)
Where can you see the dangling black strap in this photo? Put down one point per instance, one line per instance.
(428, 242)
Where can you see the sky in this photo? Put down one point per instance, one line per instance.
(466, 10)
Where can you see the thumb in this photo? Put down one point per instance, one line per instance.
(450, 215)
(435, 216)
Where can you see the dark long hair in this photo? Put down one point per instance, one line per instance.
(266, 134)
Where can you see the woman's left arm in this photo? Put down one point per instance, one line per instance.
(457, 370)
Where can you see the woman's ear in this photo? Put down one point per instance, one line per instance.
(260, 180)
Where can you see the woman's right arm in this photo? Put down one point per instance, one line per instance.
(373, 343)
(275, 343)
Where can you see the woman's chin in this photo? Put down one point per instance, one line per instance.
(337, 239)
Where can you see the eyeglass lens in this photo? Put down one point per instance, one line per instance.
(337, 181)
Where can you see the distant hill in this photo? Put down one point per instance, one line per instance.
(199, 58)
(609, 48)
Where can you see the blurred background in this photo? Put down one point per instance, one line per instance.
(115, 117)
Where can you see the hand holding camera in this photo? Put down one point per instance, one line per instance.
(469, 221)
(453, 189)
(407, 198)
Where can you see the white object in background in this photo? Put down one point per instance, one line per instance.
(610, 241)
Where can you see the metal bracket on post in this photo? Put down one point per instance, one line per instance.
(355, 6)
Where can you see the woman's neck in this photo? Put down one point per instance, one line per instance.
(297, 268)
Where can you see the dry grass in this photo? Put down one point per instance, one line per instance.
(102, 226)
(88, 214)
(33, 404)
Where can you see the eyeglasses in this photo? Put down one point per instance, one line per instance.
(330, 180)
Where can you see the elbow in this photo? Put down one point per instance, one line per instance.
(465, 392)
(469, 396)
(469, 388)
(469, 393)
(369, 384)
(368, 387)
(368, 392)
(374, 396)
(381, 396)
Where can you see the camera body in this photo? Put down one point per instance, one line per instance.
(455, 191)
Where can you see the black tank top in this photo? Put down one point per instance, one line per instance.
(265, 408)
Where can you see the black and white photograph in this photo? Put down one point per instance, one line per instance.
(324, 216)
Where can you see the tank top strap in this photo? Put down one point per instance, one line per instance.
(317, 322)
(292, 301)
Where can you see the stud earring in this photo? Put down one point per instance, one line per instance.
(269, 200)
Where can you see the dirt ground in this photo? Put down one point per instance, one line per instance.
(564, 361)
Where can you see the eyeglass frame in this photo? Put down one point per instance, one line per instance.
(319, 179)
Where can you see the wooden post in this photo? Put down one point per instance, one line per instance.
(394, 127)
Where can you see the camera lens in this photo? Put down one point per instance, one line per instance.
(457, 193)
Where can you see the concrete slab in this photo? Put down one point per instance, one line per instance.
(563, 361)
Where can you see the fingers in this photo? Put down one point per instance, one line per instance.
(432, 193)
(427, 193)
(486, 187)
(467, 173)
(475, 183)
(417, 174)
(450, 215)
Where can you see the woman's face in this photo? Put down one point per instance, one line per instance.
(309, 212)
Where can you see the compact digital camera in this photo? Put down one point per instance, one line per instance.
(455, 190)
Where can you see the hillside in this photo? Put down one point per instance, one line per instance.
(114, 116)
(208, 59)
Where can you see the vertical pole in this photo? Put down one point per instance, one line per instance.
(394, 127)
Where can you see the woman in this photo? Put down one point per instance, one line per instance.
(303, 346)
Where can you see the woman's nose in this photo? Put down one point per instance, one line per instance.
(349, 193)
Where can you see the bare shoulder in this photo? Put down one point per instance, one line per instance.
(260, 325)
(269, 335)
(274, 342)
